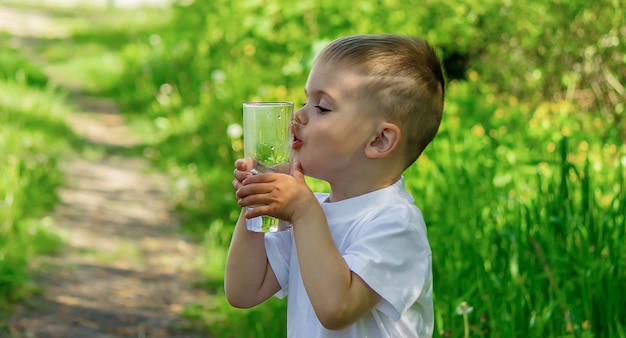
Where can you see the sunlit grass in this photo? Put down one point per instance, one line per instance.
(528, 229)
(91, 73)
(32, 137)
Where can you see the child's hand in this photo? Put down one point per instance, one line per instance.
(242, 171)
(282, 196)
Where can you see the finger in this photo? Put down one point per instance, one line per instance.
(237, 184)
(253, 212)
(259, 210)
(259, 178)
(252, 201)
(246, 190)
(244, 164)
(297, 172)
(242, 175)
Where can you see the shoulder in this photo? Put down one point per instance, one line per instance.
(396, 227)
(397, 213)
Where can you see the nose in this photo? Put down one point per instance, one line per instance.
(300, 117)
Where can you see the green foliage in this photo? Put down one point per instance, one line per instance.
(532, 219)
(13, 66)
(572, 53)
(219, 319)
(522, 189)
(30, 126)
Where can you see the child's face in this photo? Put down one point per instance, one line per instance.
(332, 128)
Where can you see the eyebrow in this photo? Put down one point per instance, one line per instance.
(321, 93)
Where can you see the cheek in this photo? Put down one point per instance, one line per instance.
(348, 137)
(338, 137)
(327, 139)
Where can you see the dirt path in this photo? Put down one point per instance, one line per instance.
(126, 270)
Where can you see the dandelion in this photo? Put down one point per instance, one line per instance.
(464, 309)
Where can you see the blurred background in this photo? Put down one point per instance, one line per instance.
(522, 190)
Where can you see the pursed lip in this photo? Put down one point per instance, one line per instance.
(297, 142)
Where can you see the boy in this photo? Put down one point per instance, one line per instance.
(357, 262)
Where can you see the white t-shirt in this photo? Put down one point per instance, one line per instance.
(382, 237)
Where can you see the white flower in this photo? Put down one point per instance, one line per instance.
(464, 308)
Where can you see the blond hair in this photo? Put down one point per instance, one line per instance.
(405, 83)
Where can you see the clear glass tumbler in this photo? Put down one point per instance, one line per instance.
(267, 140)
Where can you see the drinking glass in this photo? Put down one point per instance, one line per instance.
(267, 141)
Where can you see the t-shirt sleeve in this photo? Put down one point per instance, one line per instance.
(278, 249)
(391, 254)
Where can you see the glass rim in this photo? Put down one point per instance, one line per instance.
(268, 104)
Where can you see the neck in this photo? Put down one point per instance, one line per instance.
(356, 186)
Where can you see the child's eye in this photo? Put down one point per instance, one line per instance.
(321, 109)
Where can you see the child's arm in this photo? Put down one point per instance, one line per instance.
(248, 277)
(339, 297)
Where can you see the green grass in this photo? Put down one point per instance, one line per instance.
(32, 137)
(527, 228)
(21, 70)
(217, 317)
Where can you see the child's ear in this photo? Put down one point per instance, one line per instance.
(386, 140)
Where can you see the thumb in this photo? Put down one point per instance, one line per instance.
(244, 164)
(296, 171)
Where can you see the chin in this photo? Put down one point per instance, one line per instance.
(309, 170)
(313, 175)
